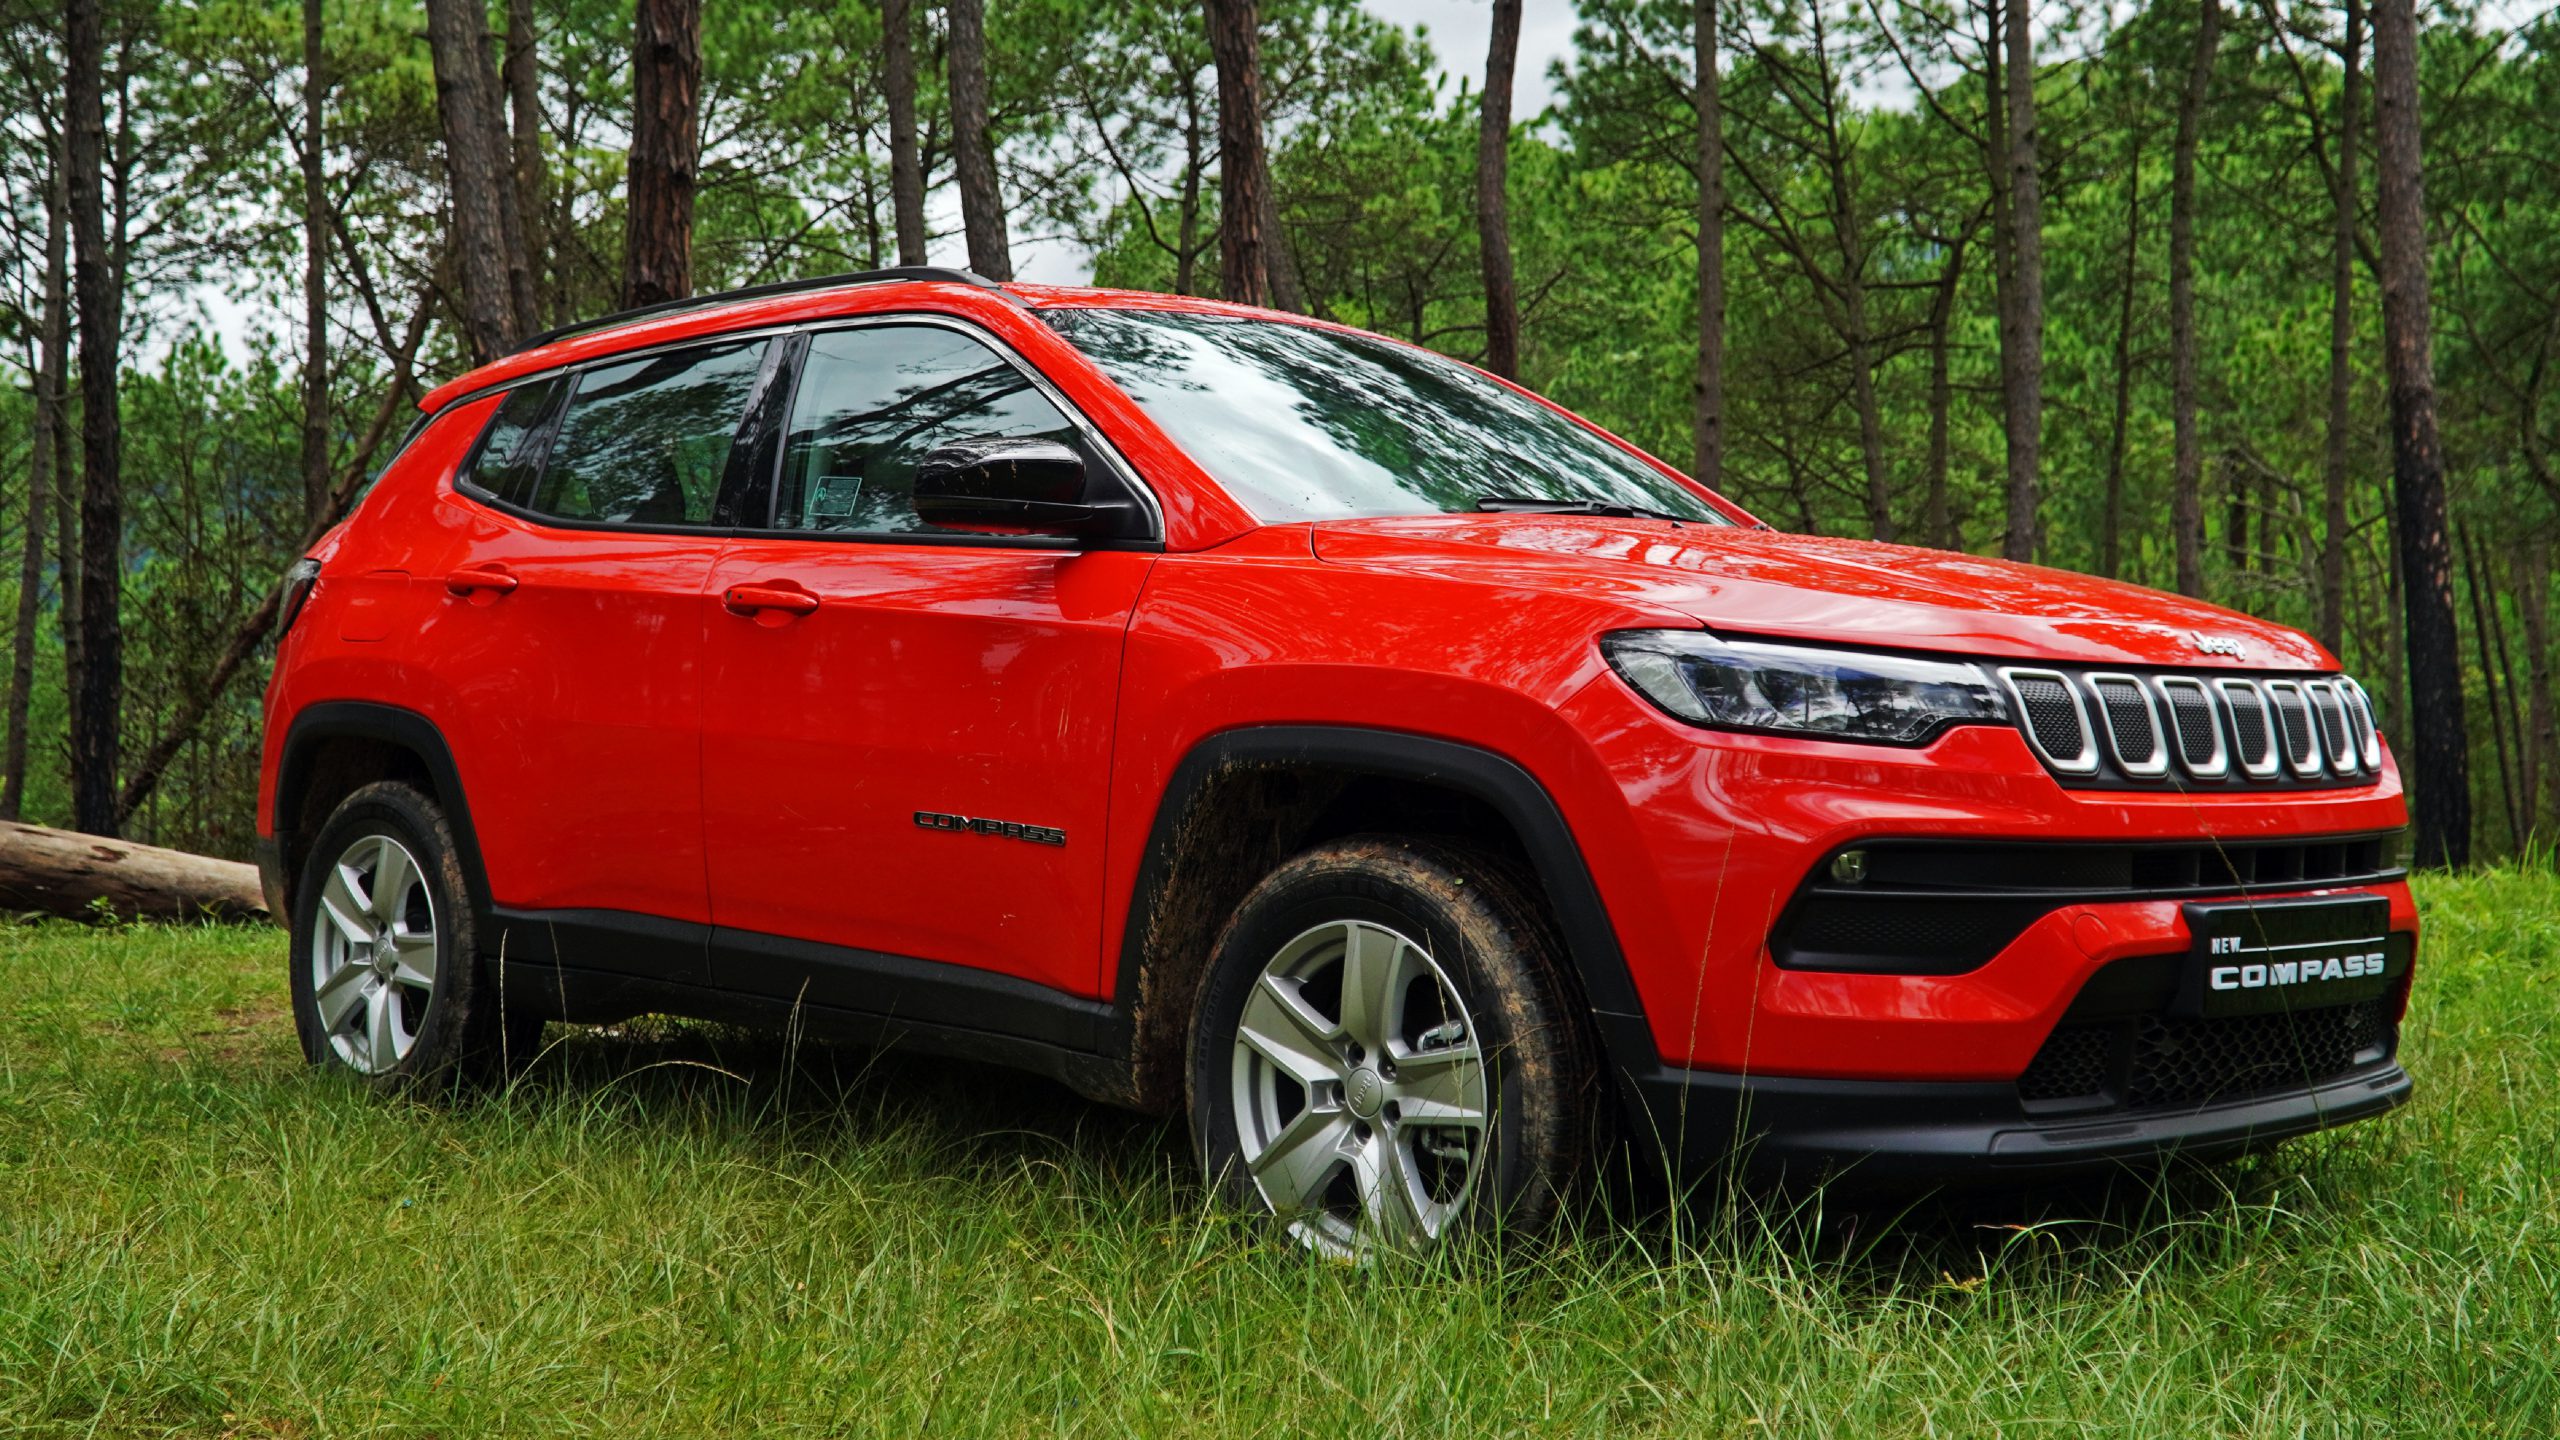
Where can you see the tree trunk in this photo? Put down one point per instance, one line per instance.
(2532, 570)
(522, 74)
(1186, 262)
(666, 151)
(1493, 202)
(2520, 783)
(906, 161)
(1708, 445)
(973, 151)
(2186, 503)
(2022, 329)
(458, 37)
(66, 509)
(2342, 336)
(46, 480)
(315, 273)
(94, 744)
(1280, 268)
(1941, 521)
(1855, 328)
(2111, 524)
(1234, 41)
(56, 872)
(2436, 722)
(2235, 528)
(2484, 641)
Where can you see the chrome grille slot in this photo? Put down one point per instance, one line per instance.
(2056, 723)
(2299, 741)
(2253, 728)
(2361, 719)
(2197, 726)
(2330, 709)
(2133, 725)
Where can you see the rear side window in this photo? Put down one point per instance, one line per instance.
(874, 400)
(511, 449)
(646, 442)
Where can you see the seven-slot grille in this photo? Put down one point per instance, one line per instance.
(2112, 727)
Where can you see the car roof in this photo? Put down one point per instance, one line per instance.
(791, 302)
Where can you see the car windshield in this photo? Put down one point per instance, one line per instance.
(1304, 423)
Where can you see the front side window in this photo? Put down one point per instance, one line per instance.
(646, 441)
(1303, 423)
(874, 400)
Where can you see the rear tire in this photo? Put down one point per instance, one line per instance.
(1386, 1053)
(385, 970)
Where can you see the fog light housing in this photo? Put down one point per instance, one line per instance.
(1849, 867)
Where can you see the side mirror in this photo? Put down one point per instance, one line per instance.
(1009, 486)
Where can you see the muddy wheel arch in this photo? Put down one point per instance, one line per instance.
(1244, 800)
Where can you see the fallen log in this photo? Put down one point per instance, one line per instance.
(61, 872)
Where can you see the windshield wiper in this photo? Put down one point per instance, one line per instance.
(1532, 505)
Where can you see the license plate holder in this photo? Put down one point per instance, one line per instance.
(2274, 956)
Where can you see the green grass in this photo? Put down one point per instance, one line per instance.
(669, 1231)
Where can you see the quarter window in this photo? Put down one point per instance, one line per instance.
(511, 449)
(646, 442)
(874, 400)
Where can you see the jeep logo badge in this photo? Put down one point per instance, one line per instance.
(2217, 644)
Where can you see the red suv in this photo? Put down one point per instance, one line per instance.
(1232, 711)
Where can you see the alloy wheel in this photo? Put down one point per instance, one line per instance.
(1361, 1092)
(374, 956)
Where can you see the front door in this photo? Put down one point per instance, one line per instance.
(907, 732)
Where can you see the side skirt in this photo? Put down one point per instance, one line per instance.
(596, 967)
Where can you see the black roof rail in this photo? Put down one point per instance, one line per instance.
(940, 273)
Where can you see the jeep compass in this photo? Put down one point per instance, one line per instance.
(1238, 715)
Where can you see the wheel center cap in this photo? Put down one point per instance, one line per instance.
(1364, 1092)
(383, 953)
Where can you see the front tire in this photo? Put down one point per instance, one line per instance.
(385, 973)
(1384, 1052)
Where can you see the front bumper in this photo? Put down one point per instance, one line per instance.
(1914, 1135)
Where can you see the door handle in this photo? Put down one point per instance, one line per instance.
(753, 599)
(493, 579)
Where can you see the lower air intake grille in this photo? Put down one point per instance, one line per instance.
(2158, 1061)
(2075, 1060)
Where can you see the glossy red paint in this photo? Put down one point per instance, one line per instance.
(1855, 592)
(949, 679)
(738, 729)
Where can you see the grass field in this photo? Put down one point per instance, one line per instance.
(670, 1231)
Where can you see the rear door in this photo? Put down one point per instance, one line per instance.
(908, 731)
(571, 634)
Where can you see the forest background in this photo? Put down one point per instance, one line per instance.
(2252, 299)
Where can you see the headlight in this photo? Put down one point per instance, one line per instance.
(1800, 690)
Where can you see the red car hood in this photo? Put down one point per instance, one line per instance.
(1856, 592)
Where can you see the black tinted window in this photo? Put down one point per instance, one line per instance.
(511, 447)
(1303, 423)
(646, 442)
(874, 400)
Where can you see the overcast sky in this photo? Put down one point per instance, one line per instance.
(1456, 29)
